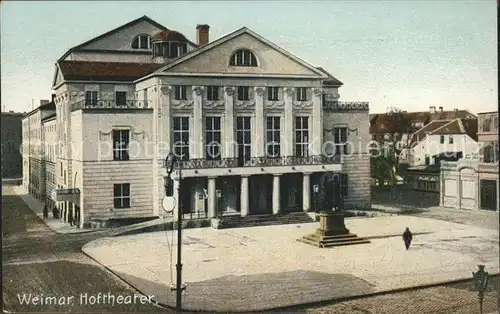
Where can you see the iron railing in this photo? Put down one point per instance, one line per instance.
(259, 162)
(110, 104)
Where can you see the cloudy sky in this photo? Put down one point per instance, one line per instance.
(409, 54)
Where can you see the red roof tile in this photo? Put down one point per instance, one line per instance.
(105, 71)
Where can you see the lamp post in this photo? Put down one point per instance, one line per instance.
(170, 161)
(219, 195)
(316, 191)
(481, 283)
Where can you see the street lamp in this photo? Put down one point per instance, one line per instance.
(219, 195)
(481, 283)
(316, 191)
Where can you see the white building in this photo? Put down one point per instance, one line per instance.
(248, 119)
(445, 138)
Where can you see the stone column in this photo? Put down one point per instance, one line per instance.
(229, 150)
(288, 122)
(306, 192)
(244, 196)
(260, 131)
(198, 124)
(212, 197)
(276, 194)
(316, 138)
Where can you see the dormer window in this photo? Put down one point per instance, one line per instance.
(142, 42)
(169, 49)
(243, 58)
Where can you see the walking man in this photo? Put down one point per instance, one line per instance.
(407, 237)
(45, 212)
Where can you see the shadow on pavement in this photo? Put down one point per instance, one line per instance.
(256, 292)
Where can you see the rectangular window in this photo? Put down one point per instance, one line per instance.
(273, 136)
(180, 92)
(486, 125)
(121, 139)
(243, 93)
(273, 93)
(174, 50)
(340, 140)
(212, 92)
(244, 139)
(441, 139)
(450, 139)
(91, 98)
(302, 136)
(65, 182)
(181, 138)
(212, 138)
(121, 98)
(121, 195)
(301, 94)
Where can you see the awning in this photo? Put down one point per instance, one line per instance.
(66, 195)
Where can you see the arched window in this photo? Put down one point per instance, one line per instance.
(243, 58)
(142, 42)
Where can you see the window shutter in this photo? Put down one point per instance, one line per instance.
(344, 185)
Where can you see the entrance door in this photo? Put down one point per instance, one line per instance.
(488, 194)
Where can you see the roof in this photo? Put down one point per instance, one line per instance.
(429, 128)
(169, 35)
(459, 126)
(141, 19)
(48, 106)
(105, 71)
(331, 80)
(379, 122)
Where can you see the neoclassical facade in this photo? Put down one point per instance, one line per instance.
(257, 130)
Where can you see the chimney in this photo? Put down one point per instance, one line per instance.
(432, 109)
(202, 34)
(440, 109)
(44, 101)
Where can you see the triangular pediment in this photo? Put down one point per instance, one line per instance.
(215, 58)
(58, 77)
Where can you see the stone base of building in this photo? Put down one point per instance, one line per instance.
(332, 232)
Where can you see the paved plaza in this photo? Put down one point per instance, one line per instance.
(265, 267)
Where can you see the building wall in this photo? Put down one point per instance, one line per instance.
(490, 134)
(49, 159)
(431, 146)
(12, 136)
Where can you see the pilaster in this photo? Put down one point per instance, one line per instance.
(316, 123)
(244, 196)
(260, 131)
(212, 197)
(288, 122)
(306, 192)
(276, 194)
(198, 136)
(229, 150)
(164, 122)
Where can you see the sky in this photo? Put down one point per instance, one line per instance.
(407, 54)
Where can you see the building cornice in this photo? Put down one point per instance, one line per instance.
(231, 75)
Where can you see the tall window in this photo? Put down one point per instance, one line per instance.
(301, 94)
(273, 136)
(243, 93)
(181, 138)
(243, 57)
(180, 92)
(91, 98)
(212, 92)
(340, 140)
(441, 139)
(121, 98)
(486, 125)
(244, 139)
(142, 42)
(273, 93)
(450, 139)
(301, 136)
(121, 195)
(212, 138)
(121, 139)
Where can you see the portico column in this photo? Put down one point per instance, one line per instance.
(276, 194)
(211, 197)
(244, 196)
(198, 136)
(306, 192)
(317, 123)
(228, 131)
(259, 122)
(288, 143)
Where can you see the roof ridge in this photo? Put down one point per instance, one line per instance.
(445, 125)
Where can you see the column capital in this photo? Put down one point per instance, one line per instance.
(277, 174)
(245, 176)
(212, 177)
(260, 90)
(229, 90)
(289, 90)
(198, 90)
(166, 89)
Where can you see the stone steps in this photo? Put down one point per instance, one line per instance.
(262, 220)
(332, 241)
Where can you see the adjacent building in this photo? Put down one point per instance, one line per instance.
(11, 145)
(257, 129)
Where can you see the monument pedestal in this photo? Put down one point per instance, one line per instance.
(332, 232)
